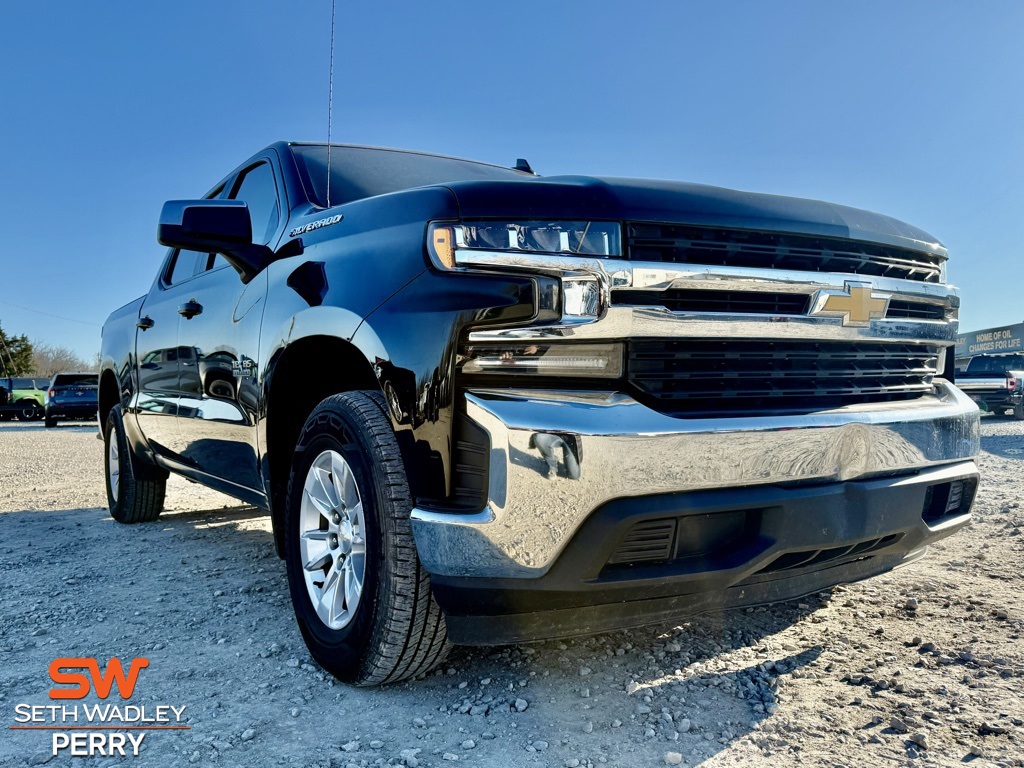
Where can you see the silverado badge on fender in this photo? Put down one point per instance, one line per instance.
(315, 225)
(857, 305)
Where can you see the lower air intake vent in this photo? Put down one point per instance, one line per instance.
(810, 557)
(646, 542)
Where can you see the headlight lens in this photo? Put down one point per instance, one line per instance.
(584, 238)
(587, 360)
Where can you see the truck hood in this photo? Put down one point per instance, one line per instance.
(619, 199)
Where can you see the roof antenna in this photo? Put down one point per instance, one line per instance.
(330, 105)
(523, 165)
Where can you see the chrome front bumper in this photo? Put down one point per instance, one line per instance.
(555, 457)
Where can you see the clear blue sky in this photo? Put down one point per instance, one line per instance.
(914, 109)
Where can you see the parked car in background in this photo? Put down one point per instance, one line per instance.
(995, 383)
(72, 396)
(24, 398)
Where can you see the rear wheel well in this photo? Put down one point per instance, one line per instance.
(307, 372)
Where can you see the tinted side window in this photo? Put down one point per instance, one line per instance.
(213, 261)
(184, 266)
(256, 188)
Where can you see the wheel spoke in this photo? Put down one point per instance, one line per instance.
(323, 482)
(353, 584)
(329, 596)
(358, 545)
(314, 550)
(323, 507)
(344, 482)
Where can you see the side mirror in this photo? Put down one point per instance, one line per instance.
(214, 226)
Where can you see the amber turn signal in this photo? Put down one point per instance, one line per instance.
(443, 241)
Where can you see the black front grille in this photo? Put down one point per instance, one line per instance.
(772, 250)
(736, 302)
(915, 310)
(704, 377)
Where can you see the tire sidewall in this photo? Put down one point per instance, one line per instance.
(115, 431)
(337, 649)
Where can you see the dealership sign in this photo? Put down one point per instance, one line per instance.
(991, 341)
(96, 730)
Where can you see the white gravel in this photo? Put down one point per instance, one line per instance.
(924, 666)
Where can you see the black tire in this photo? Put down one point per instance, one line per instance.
(140, 486)
(397, 631)
(50, 423)
(1018, 412)
(28, 411)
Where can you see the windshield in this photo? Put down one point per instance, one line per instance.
(997, 365)
(360, 172)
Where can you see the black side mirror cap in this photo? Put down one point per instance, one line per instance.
(214, 226)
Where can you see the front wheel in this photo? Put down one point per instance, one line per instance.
(362, 600)
(135, 490)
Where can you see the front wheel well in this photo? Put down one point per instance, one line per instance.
(307, 372)
(109, 395)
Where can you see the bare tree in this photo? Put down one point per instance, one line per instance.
(48, 359)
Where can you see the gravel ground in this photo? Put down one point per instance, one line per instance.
(924, 666)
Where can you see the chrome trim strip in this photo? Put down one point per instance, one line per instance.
(618, 322)
(653, 322)
(556, 456)
(622, 273)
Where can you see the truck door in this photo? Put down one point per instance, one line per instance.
(219, 384)
(156, 345)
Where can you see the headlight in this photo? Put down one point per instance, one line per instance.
(588, 360)
(584, 238)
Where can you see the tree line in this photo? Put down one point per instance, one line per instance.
(21, 357)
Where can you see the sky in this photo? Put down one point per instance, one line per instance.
(912, 109)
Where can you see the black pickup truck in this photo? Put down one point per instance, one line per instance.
(484, 407)
(995, 383)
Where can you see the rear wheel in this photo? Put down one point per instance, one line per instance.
(1018, 412)
(135, 489)
(50, 422)
(28, 410)
(362, 599)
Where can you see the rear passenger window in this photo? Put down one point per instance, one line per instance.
(256, 188)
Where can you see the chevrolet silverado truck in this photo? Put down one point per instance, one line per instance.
(995, 383)
(486, 407)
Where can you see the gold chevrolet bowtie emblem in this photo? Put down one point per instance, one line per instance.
(857, 305)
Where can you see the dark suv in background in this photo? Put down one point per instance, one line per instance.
(72, 396)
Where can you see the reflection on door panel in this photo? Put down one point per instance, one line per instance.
(217, 414)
